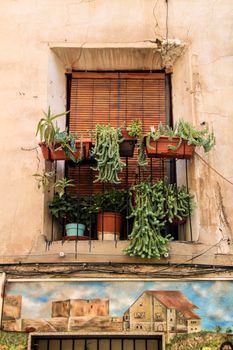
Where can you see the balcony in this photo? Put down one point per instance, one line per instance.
(114, 191)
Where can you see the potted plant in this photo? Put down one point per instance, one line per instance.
(177, 142)
(67, 209)
(59, 145)
(129, 135)
(153, 206)
(108, 207)
(179, 202)
(106, 153)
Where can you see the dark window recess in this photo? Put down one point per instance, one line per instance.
(117, 98)
(96, 343)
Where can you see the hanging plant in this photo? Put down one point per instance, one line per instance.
(106, 153)
(149, 217)
(154, 206)
(179, 202)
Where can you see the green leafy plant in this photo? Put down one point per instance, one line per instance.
(106, 152)
(13, 340)
(47, 129)
(61, 185)
(65, 208)
(45, 179)
(155, 205)
(134, 129)
(108, 201)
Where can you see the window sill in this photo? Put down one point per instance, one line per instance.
(191, 253)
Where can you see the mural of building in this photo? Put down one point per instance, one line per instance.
(107, 307)
(168, 312)
(164, 312)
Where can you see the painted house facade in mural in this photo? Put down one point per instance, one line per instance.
(111, 62)
(168, 312)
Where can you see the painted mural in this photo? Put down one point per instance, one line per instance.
(167, 308)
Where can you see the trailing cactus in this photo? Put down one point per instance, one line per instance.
(106, 153)
(155, 205)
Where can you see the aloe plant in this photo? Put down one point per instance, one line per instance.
(106, 152)
(47, 129)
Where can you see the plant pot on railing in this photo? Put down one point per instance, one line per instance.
(109, 225)
(58, 153)
(178, 142)
(167, 147)
(126, 147)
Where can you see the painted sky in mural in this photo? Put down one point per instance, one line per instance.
(213, 298)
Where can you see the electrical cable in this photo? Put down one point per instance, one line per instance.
(212, 168)
(196, 256)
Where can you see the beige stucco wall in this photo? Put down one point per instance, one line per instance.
(32, 77)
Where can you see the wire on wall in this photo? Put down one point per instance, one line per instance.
(212, 168)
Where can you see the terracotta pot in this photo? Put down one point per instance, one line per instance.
(109, 225)
(159, 148)
(45, 150)
(127, 145)
(59, 154)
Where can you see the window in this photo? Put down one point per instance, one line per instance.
(139, 314)
(116, 98)
(94, 343)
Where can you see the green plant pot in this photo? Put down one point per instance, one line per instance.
(81, 229)
(71, 229)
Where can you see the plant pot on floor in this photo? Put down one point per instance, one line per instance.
(127, 146)
(71, 229)
(109, 226)
(75, 229)
(160, 148)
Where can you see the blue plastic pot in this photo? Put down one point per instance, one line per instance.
(81, 229)
(71, 229)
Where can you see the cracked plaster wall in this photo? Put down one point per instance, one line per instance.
(32, 78)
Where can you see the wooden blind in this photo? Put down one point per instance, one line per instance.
(114, 98)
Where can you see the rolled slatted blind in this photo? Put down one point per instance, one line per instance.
(114, 98)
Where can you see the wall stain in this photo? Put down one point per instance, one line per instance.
(222, 211)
